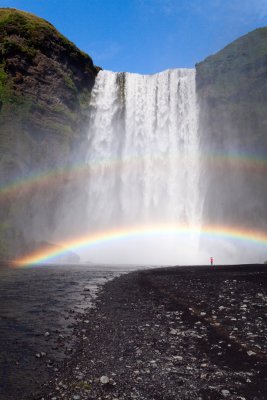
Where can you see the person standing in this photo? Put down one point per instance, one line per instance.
(211, 261)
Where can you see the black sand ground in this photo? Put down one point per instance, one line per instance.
(176, 333)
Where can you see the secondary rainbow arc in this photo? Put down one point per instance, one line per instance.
(247, 162)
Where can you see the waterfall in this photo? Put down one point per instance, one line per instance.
(143, 148)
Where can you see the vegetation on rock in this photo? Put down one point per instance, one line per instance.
(45, 85)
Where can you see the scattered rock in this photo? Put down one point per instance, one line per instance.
(134, 337)
(104, 379)
(251, 353)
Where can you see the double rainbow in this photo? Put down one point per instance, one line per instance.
(251, 163)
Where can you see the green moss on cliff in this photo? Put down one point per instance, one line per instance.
(70, 83)
(3, 241)
(3, 87)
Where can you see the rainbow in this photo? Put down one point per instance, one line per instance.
(247, 162)
(47, 254)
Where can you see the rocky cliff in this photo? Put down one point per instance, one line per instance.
(45, 85)
(232, 92)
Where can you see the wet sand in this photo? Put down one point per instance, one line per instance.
(171, 333)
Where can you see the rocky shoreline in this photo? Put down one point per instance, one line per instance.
(171, 333)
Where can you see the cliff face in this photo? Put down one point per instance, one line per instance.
(45, 85)
(232, 93)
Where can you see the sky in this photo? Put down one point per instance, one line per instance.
(148, 36)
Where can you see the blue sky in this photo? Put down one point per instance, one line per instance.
(148, 36)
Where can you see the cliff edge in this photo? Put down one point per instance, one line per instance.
(232, 93)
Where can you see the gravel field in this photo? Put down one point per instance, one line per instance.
(171, 333)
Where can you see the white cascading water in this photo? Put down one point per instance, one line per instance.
(143, 157)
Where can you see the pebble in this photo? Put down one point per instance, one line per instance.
(104, 379)
(180, 358)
